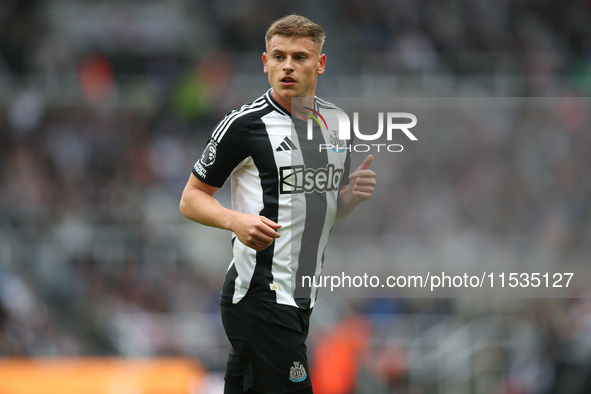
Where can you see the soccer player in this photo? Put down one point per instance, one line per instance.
(286, 196)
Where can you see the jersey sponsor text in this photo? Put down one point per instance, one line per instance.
(299, 179)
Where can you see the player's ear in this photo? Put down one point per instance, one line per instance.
(265, 58)
(321, 64)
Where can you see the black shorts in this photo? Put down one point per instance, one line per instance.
(268, 346)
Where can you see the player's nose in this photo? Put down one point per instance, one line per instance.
(288, 65)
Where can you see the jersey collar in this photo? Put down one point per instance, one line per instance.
(275, 104)
(279, 108)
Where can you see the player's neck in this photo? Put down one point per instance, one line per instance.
(293, 110)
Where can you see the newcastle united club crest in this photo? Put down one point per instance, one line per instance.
(297, 373)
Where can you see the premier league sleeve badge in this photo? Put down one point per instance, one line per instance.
(208, 156)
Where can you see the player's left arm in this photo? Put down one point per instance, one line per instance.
(363, 182)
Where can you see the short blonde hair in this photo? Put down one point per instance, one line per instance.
(296, 26)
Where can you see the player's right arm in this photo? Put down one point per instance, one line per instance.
(198, 204)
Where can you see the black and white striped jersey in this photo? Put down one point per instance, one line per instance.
(276, 172)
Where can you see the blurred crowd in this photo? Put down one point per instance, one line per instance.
(547, 41)
(73, 176)
(513, 169)
(89, 186)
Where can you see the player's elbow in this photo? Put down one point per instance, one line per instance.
(183, 206)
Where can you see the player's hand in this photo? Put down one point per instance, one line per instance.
(363, 181)
(256, 232)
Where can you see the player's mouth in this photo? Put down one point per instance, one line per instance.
(287, 81)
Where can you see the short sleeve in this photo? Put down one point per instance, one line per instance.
(226, 148)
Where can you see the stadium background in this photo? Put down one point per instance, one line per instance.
(105, 106)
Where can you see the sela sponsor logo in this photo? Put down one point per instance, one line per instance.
(297, 373)
(299, 179)
(338, 143)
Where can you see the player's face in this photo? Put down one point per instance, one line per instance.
(293, 64)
